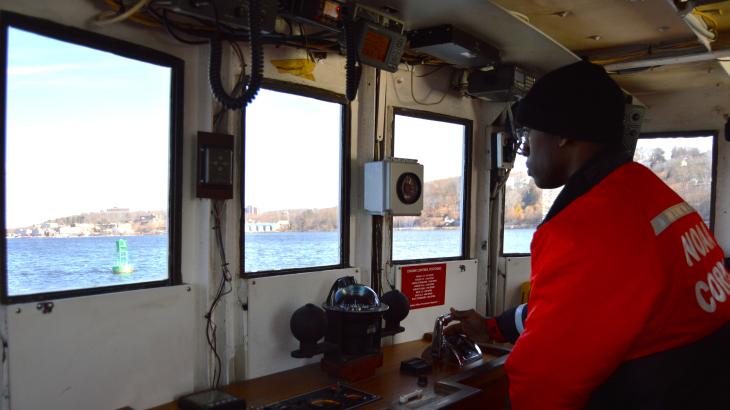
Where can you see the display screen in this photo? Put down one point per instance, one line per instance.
(375, 46)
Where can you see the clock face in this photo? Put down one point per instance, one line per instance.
(408, 188)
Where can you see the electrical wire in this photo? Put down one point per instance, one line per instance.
(182, 27)
(224, 288)
(699, 25)
(413, 95)
(306, 43)
(710, 22)
(257, 62)
(168, 27)
(143, 19)
(389, 267)
(237, 87)
(106, 17)
(437, 69)
(241, 58)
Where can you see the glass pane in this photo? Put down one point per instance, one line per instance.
(87, 162)
(525, 206)
(439, 146)
(292, 177)
(685, 164)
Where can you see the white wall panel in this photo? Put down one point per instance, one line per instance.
(102, 352)
(120, 358)
(517, 271)
(271, 302)
(460, 294)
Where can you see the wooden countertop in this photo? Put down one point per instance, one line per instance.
(388, 382)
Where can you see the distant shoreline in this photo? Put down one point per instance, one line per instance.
(81, 236)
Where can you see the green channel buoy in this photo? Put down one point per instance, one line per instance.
(122, 265)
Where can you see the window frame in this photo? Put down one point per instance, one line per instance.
(129, 50)
(694, 134)
(503, 204)
(501, 233)
(466, 188)
(345, 172)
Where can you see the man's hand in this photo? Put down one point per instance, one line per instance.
(470, 323)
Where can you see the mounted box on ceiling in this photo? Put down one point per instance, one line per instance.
(453, 46)
(394, 186)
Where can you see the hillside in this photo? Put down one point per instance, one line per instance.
(441, 208)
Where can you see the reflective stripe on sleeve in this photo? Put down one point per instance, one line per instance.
(519, 324)
(669, 216)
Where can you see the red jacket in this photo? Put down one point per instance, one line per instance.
(623, 271)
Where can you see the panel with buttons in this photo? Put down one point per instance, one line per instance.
(215, 166)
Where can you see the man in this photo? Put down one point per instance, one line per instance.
(629, 305)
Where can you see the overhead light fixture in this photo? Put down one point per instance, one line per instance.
(594, 37)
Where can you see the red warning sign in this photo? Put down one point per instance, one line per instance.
(424, 285)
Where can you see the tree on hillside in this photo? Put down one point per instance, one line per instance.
(656, 157)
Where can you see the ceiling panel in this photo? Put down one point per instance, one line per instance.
(617, 22)
(625, 29)
(702, 75)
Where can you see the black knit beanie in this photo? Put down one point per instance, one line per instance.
(577, 101)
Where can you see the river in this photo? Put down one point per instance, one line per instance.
(40, 265)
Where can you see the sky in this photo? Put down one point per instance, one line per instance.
(438, 145)
(293, 150)
(86, 130)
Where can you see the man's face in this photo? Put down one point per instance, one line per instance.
(546, 161)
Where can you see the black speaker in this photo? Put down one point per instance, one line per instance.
(398, 308)
(308, 324)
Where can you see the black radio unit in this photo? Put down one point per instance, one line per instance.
(453, 46)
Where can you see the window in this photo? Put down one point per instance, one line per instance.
(295, 198)
(525, 206)
(442, 145)
(91, 137)
(685, 163)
